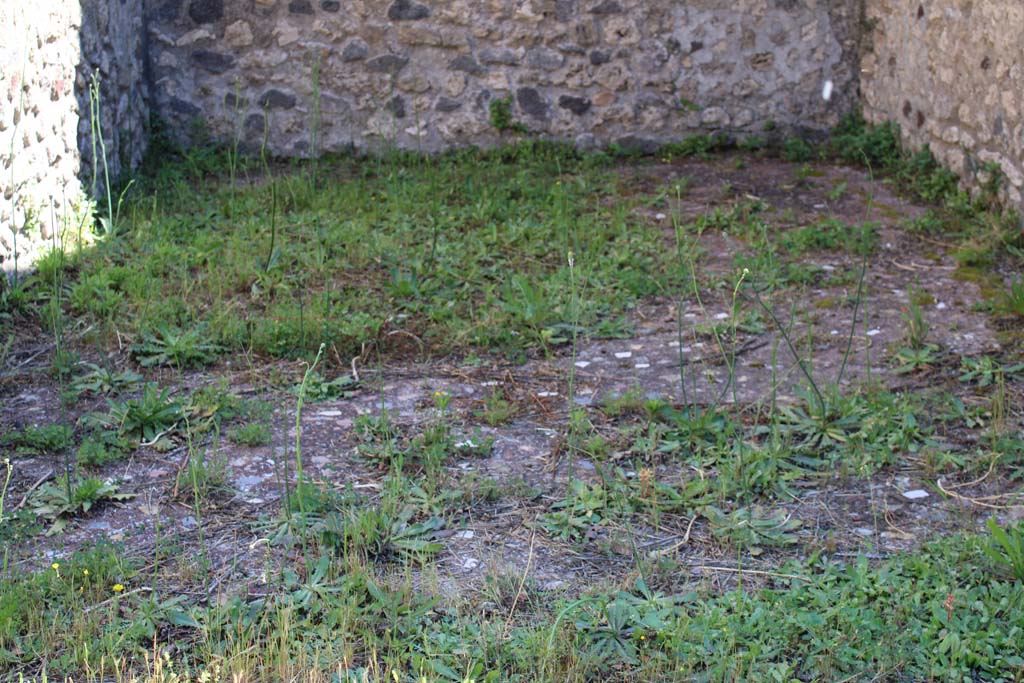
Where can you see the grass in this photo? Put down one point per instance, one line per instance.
(936, 615)
(713, 538)
(482, 238)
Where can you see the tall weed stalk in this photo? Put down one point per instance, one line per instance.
(272, 249)
(574, 303)
(111, 222)
(56, 313)
(96, 126)
(299, 473)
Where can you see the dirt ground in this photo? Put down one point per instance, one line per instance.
(847, 515)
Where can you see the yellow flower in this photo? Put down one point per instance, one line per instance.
(55, 566)
(118, 588)
(85, 572)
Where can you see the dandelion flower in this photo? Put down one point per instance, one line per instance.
(55, 566)
(85, 572)
(118, 588)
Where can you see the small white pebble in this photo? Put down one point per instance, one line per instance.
(660, 216)
(721, 316)
(915, 494)
(641, 366)
(833, 332)
(547, 394)
(582, 363)
(468, 533)
(470, 563)
(941, 305)
(624, 354)
(826, 90)
(872, 333)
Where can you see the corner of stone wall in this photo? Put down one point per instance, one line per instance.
(47, 59)
(951, 74)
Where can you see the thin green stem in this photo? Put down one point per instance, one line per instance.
(863, 272)
(572, 363)
(299, 475)
(792, 349)
(94, 98)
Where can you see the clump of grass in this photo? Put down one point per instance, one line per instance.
(66, 497)
(477, 268)
(700, 146)
(797, 150)
(51, 438)
(250, 434)
(500, 110)
(497, 409)
(831, 234)
(1013, 300)
(100, 449)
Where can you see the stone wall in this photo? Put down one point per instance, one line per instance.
(48, 52)
(422, 74)
(951, 73)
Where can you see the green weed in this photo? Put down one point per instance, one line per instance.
(497, 410)
(1013, 300)
(166, 345)
(102, 448)
(252, 434)
(53, 501)
(797, 150)
(97, 381)
(1006, 548)
(501, 116)
(52, 438)
(154, 414)
(317, 388)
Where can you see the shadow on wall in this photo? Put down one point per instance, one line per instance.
(50, 54)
